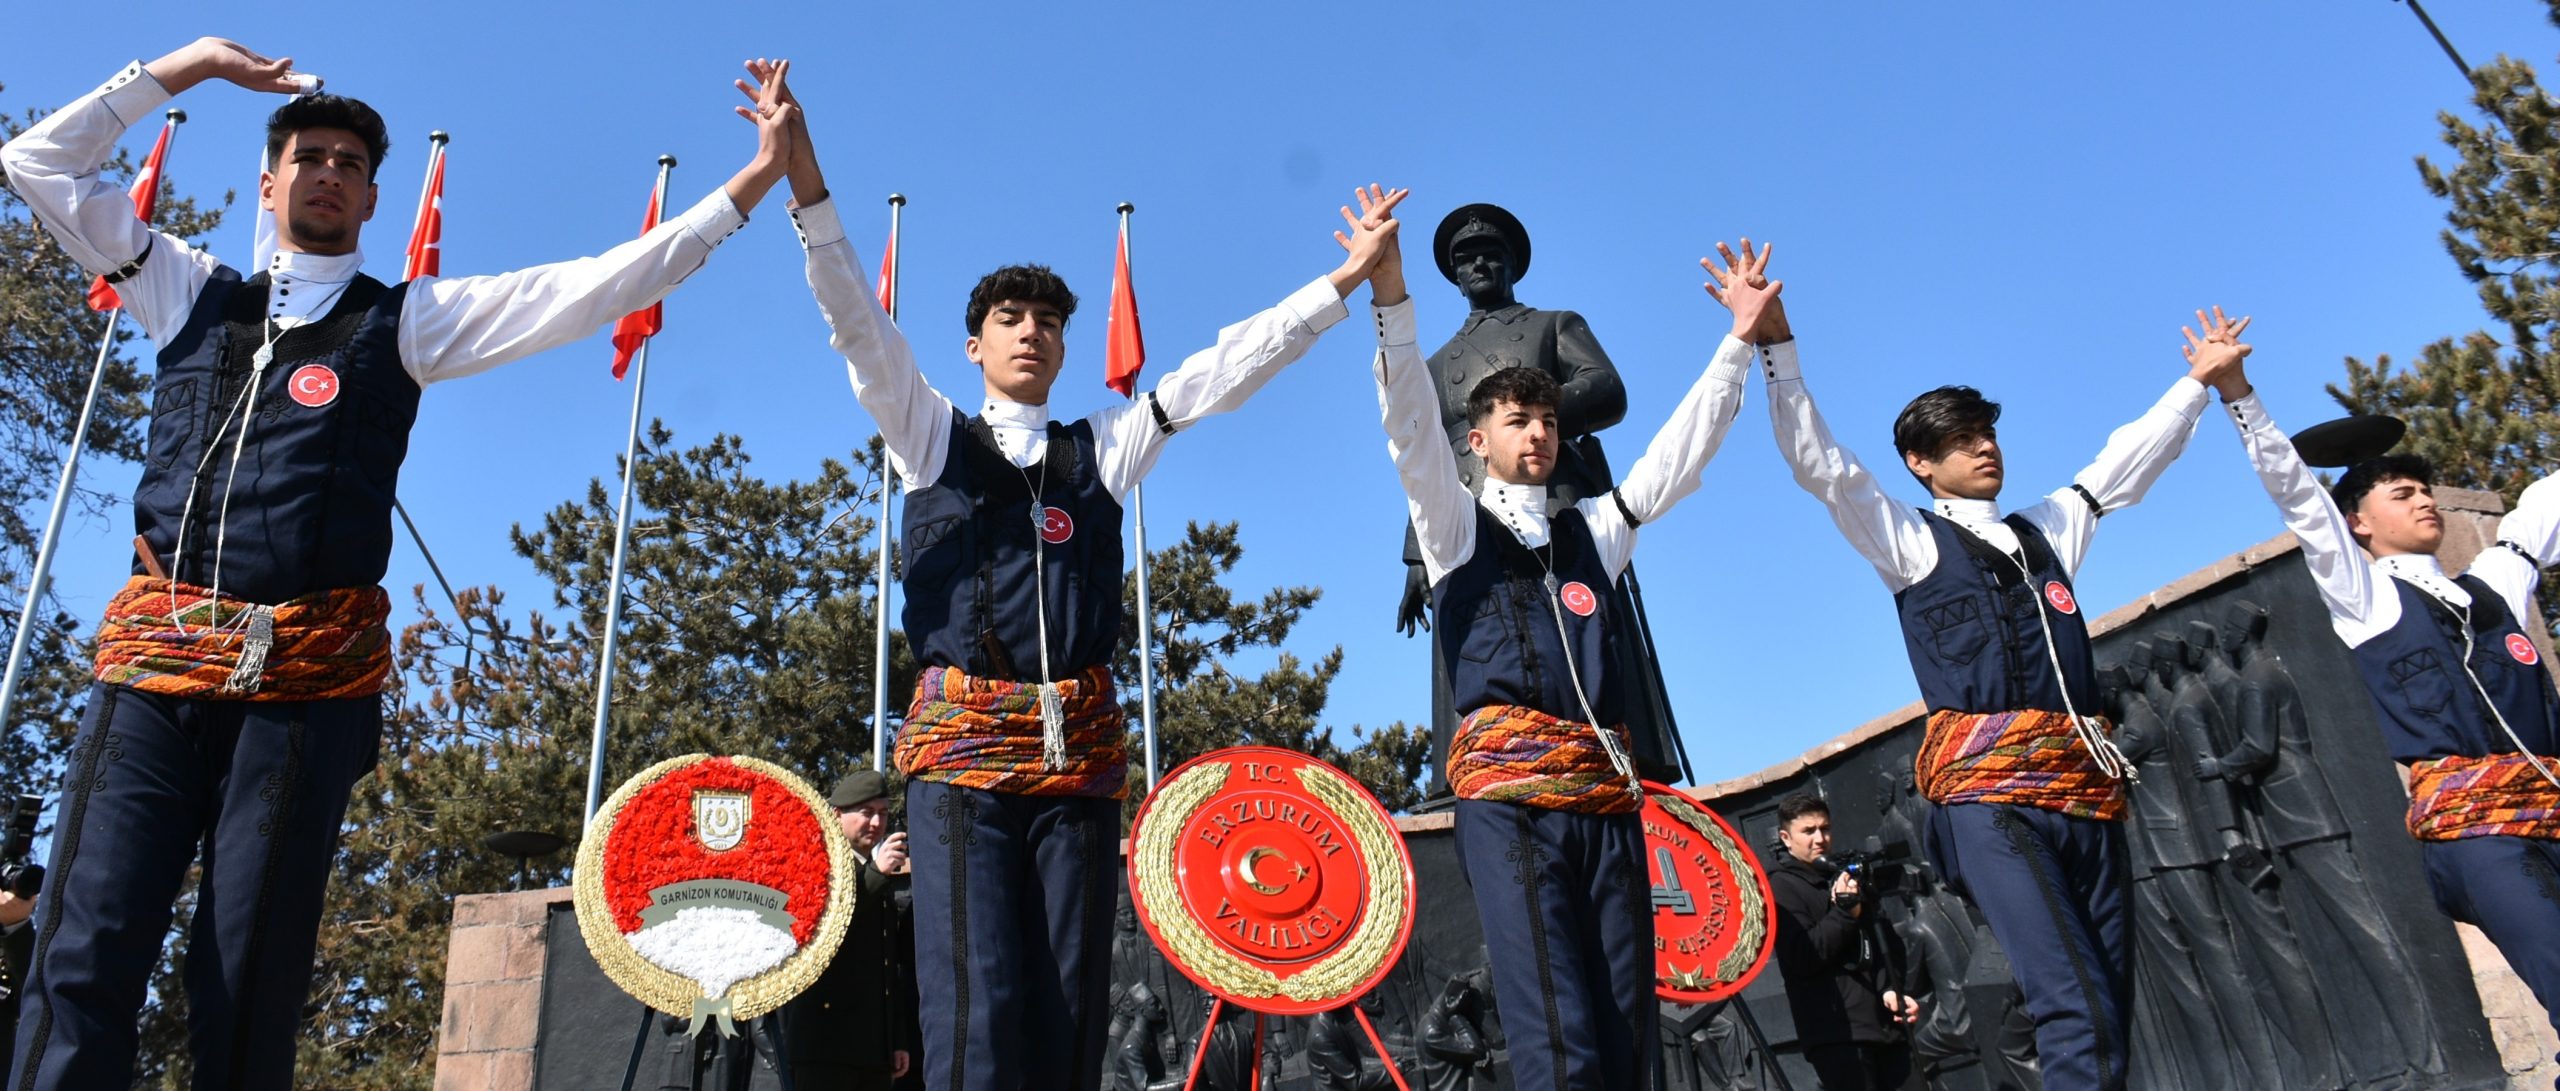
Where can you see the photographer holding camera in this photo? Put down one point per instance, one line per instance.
(1840, 960)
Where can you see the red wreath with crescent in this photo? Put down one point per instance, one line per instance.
(1271, 879)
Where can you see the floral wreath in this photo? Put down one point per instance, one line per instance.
(714, 887)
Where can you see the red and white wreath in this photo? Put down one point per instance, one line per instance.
(715, 888)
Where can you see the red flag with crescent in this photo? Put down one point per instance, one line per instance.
(639, 326)
(426, 240)
(1126, 352)
(146, 194)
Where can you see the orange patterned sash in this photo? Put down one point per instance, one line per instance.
(176, 639)
(2030, 758)
(2499, 795)
(985, 734)
(1519, 755)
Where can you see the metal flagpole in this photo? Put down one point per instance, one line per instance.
(36, 579)
(1146, 601)
(621, 542)
(2441, 41)
(880, 600)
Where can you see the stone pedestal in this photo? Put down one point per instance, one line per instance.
(493, 990)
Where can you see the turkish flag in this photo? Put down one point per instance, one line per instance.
(426, 240)
(888, 286)
(640, 325)
(1126, 349)
(145, 193)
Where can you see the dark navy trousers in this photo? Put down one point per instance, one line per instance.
(1014, 897)
(2509, 888)
(2052, 888)
(256, 792)
(1568, 923)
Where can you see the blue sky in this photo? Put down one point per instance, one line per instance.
(2028, 198)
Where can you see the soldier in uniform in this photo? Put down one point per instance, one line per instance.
(240, 669)
(855, 1027)
(1015, 748)
(1484, 250)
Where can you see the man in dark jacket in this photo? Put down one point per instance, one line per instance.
(855, 1027)
(17, 956)
(1831, 950)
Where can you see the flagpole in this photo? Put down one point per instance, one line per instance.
(880, 600)
(621, 542)
(1146, 601)
(27, 611)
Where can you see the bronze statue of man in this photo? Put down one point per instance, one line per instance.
(1483, 249)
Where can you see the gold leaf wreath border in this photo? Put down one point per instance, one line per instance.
(1755, 908)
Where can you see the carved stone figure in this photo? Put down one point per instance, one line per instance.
(1339, 1055)
(2177, 959)
(2268, 946)
(1138, 1037)
(2185, 947)
(1461, 1034)
(2383, 1021)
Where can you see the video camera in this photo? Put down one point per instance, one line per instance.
(1880, 868)
(19, 873)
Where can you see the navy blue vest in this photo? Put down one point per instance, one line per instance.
(1972, 633)
(969, 544)
(1498, 634)
(2429, 707)
(311, 503)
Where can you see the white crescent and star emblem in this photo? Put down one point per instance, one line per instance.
(2060, 597)
(2521, 647)
(1579, 599)
(1056, 527)
(313, 385)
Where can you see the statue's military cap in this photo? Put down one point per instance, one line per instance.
(1481, 221)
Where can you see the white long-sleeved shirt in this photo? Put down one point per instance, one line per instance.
(1894, 537)
(915, 419)
(2362, 604)
(450, 327)
(1444, 515)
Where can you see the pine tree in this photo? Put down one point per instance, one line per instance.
(2485, 407)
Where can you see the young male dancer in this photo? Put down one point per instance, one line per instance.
(2025, 788)
(1013, 749)
(2464, 698)
(239, 670)
(1547, 793)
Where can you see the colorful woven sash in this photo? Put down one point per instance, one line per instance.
(2501, 795)
(173, 638)
(1519, 755)
(2032, 759)
(985, 734)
